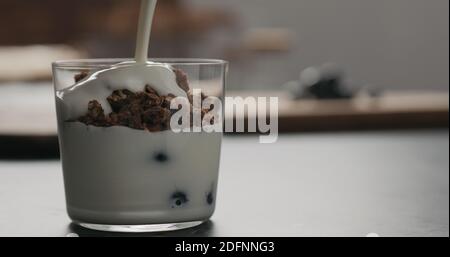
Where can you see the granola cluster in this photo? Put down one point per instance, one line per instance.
(145, 110)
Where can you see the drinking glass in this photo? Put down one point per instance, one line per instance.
(127, 180)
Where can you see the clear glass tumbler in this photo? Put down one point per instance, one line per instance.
(130, 179)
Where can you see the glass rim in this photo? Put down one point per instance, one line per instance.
(107, 62)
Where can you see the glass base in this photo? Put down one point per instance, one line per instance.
(141, 228)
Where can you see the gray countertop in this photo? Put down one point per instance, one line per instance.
(392, 183)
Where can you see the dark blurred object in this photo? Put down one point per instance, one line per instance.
(29, 147)
(329, 84)
(325, 82)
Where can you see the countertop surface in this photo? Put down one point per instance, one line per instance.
(391, 183)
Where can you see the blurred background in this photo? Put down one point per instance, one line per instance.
(336, 65)
(363, 109)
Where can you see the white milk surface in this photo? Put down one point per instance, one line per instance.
(129, 75)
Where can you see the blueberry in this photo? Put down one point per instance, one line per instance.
(161, 157)
(178, 199)
(209, 198)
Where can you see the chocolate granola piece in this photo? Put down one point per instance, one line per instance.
(182, 79)
(149, 89)
(135, 120)
(122, 118)
(80, 76)
(148, 100)
(156, 119)
(166, 100)
(144, 110)
(127, 117)
(114, 119)
(165, 119)
(95, 115)
(120, 98)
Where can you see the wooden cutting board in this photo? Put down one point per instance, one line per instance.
(392, 110)
(31, 63)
